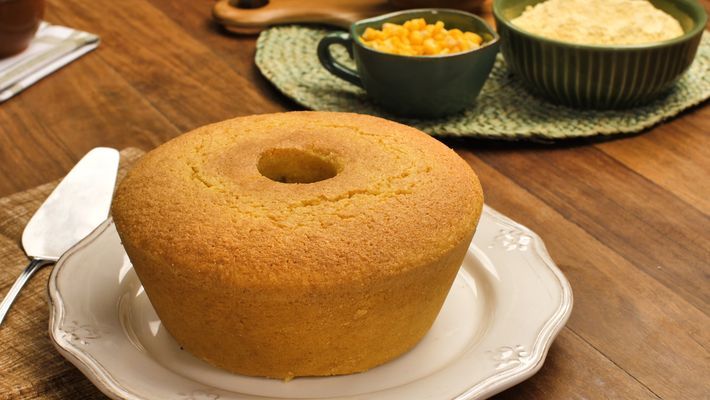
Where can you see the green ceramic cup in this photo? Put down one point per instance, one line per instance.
(416, 86)
(599, 77)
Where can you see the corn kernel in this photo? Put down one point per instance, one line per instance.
(388, 28)
(472, 37)
(415, 38)
(431, 47)
(370, 34)
(450, 42)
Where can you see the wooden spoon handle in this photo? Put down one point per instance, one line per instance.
(338, 13)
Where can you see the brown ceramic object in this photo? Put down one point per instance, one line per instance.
(19, 20)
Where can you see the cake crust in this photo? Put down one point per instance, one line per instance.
(277, 279)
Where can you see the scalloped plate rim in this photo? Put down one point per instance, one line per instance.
(507, 378)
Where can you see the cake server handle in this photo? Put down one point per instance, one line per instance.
(34, 266)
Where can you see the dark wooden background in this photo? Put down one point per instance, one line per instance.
(626, 220)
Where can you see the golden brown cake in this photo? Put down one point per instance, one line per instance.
(298, 244)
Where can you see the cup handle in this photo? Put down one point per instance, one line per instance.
(333, 66)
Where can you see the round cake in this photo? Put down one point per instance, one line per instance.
(301, 243)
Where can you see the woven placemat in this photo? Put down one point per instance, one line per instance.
(30, 367)
(286, 55)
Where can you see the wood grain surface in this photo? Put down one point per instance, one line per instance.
(626, 220)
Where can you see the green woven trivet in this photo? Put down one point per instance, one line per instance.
(286, 55)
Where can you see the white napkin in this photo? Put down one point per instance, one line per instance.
(53, 47)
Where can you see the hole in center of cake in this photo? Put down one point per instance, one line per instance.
(295, 166)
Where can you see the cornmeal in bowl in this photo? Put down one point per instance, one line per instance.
(599, 22)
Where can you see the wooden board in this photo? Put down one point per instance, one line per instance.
(330, 12)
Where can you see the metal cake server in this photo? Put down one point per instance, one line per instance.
(77, 205)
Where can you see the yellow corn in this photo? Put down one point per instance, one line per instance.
(416, 38)
(473, 38)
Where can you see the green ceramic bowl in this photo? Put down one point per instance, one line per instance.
(416, 86)
(600, 77)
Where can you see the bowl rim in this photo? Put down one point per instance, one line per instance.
(697, 29)
(384, 17)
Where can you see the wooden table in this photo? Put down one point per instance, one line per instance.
(626, 220)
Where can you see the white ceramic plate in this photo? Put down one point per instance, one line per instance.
(504, 309)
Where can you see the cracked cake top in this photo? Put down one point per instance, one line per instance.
(300, 198)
